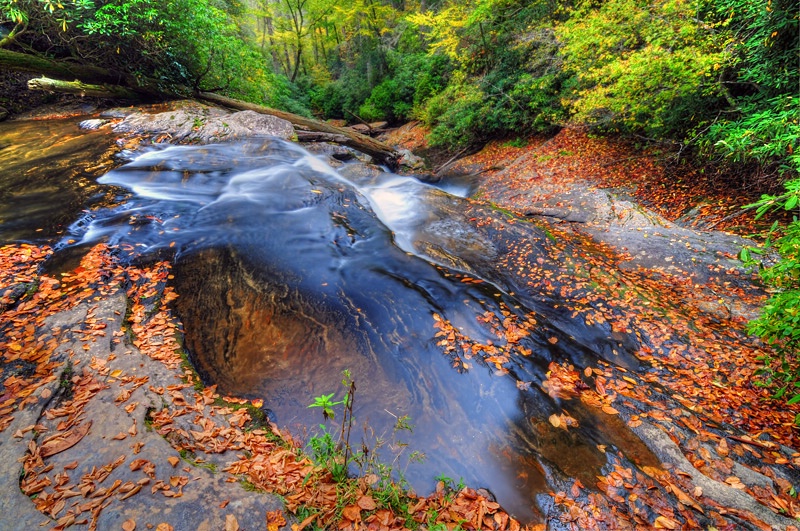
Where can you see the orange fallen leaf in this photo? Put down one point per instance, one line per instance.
(231, 524)
(367, 503)
(173, 460)
(352, 513)
(128, 525)
(662, 522)
(59, 443)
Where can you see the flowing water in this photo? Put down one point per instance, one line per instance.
(290, 271)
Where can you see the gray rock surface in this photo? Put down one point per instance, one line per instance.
(192, 122)
(641, 237)
(119, 435)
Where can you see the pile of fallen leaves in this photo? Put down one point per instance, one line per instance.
(704, 200)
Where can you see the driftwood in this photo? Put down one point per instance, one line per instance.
(83, 89)
(378, 150)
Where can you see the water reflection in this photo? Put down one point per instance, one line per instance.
(47, 171)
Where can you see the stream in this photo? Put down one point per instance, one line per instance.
(290, 271)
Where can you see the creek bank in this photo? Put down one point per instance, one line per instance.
(588, 281)
(561, 180)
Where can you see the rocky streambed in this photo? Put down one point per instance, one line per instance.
(578, 357)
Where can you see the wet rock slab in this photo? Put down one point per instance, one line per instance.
(119, 450)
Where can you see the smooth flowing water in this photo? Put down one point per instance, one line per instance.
(290, 271)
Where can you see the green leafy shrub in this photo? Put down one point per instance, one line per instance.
(457, 115)
(640, 67)
(779, 322)
(767, 134)
(412, 79)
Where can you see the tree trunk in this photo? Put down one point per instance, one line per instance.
(382, 153)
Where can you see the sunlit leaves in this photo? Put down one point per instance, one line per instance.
(635, 62)
(441, 28)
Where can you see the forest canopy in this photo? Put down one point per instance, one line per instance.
(720, 77)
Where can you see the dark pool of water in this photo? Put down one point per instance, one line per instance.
(290, 272)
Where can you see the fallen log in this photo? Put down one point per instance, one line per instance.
(23, 62)
(83, 89)
(381, 152)
(311, 136)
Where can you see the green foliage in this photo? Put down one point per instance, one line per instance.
(412, 79)
(457, 115)
(779, 322)
(507, 74)
(642, 67)
(325, 451)
(190, 43)
(326, 403)
(766, 39)
(766, 134)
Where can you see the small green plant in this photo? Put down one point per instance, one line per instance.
(387, 479)
(518, 142)
(326, 403)
(323, 448)
(65, 384)
(325, 452)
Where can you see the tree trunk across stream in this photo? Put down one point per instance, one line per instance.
(580, 360)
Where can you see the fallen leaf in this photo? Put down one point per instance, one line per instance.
(173, 460)
(352, 513)
(275, 520)
(59, 443)
(367, 503)
(662, 522)
(128, 525)
(231, 524)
